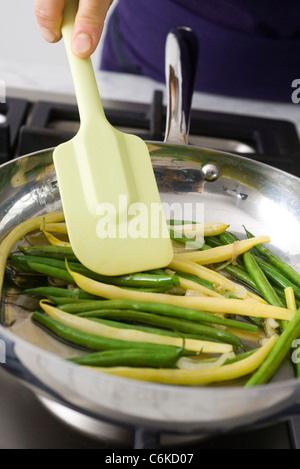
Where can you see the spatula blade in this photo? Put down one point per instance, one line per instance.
(111, 202)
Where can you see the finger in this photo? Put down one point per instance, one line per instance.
(49, 16)
(89, 26)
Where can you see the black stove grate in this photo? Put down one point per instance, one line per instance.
(275, 142)
(271, 141)
(13, 114)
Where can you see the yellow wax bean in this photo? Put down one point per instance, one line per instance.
(223, 253)
(290, 299)
(253, 296)
(205, 229)
(200, 271)
(55, 241)
(209, 275)
(191, 285)
(196, 377)
(19, 232)
(55, 228)
(91, 327)
(209, 304)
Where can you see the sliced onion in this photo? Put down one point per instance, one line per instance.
(186, 363)
(170, 272)
(234, 252)
(222, 266)
(231, 289)
(270, 327)
(193, 293)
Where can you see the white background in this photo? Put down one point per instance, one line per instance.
(21, 40)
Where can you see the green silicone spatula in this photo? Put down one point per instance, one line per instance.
(107, 185)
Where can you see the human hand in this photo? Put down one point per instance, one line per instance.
(88, 26)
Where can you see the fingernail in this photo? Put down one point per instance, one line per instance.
(81, 44)
(48, 35)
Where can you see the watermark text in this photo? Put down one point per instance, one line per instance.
(2, 351)
(138, 220)
(2, 91)
(296, 93)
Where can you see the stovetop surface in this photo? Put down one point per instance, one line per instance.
(27, 424)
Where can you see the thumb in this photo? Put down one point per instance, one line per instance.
(88, 26)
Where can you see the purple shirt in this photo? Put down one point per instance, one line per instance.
(247, 48)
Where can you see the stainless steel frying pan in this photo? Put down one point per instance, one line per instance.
(234, 190)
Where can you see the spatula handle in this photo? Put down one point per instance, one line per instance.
(180, 69)
(84, 80)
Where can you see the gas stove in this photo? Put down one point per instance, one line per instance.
(28, 421)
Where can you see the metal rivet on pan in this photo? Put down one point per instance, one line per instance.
(210, 172)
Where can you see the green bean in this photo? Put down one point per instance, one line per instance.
(258, 322)
(156, 272)
(183, 239)
(65, 250)
(143, 280)
(212, 241)
(95, 342)
(20, 264)
(202, 282)
(158, 308)
(156, 331)
(286, 269)
(239, 272)
(253, 277)
(178, 325)
(242, 275)
(205, 247)
(174, 222)
(131, 280)
(278, 353)
(64, 300)
(228, 238)
(262, 283)
(276, 277)
(60, 292)
(158, 289)
(24, 261)
(159, 358)
(239, 357)
(55, 252)
(51, 271)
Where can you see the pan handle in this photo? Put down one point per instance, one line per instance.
(180, 69)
